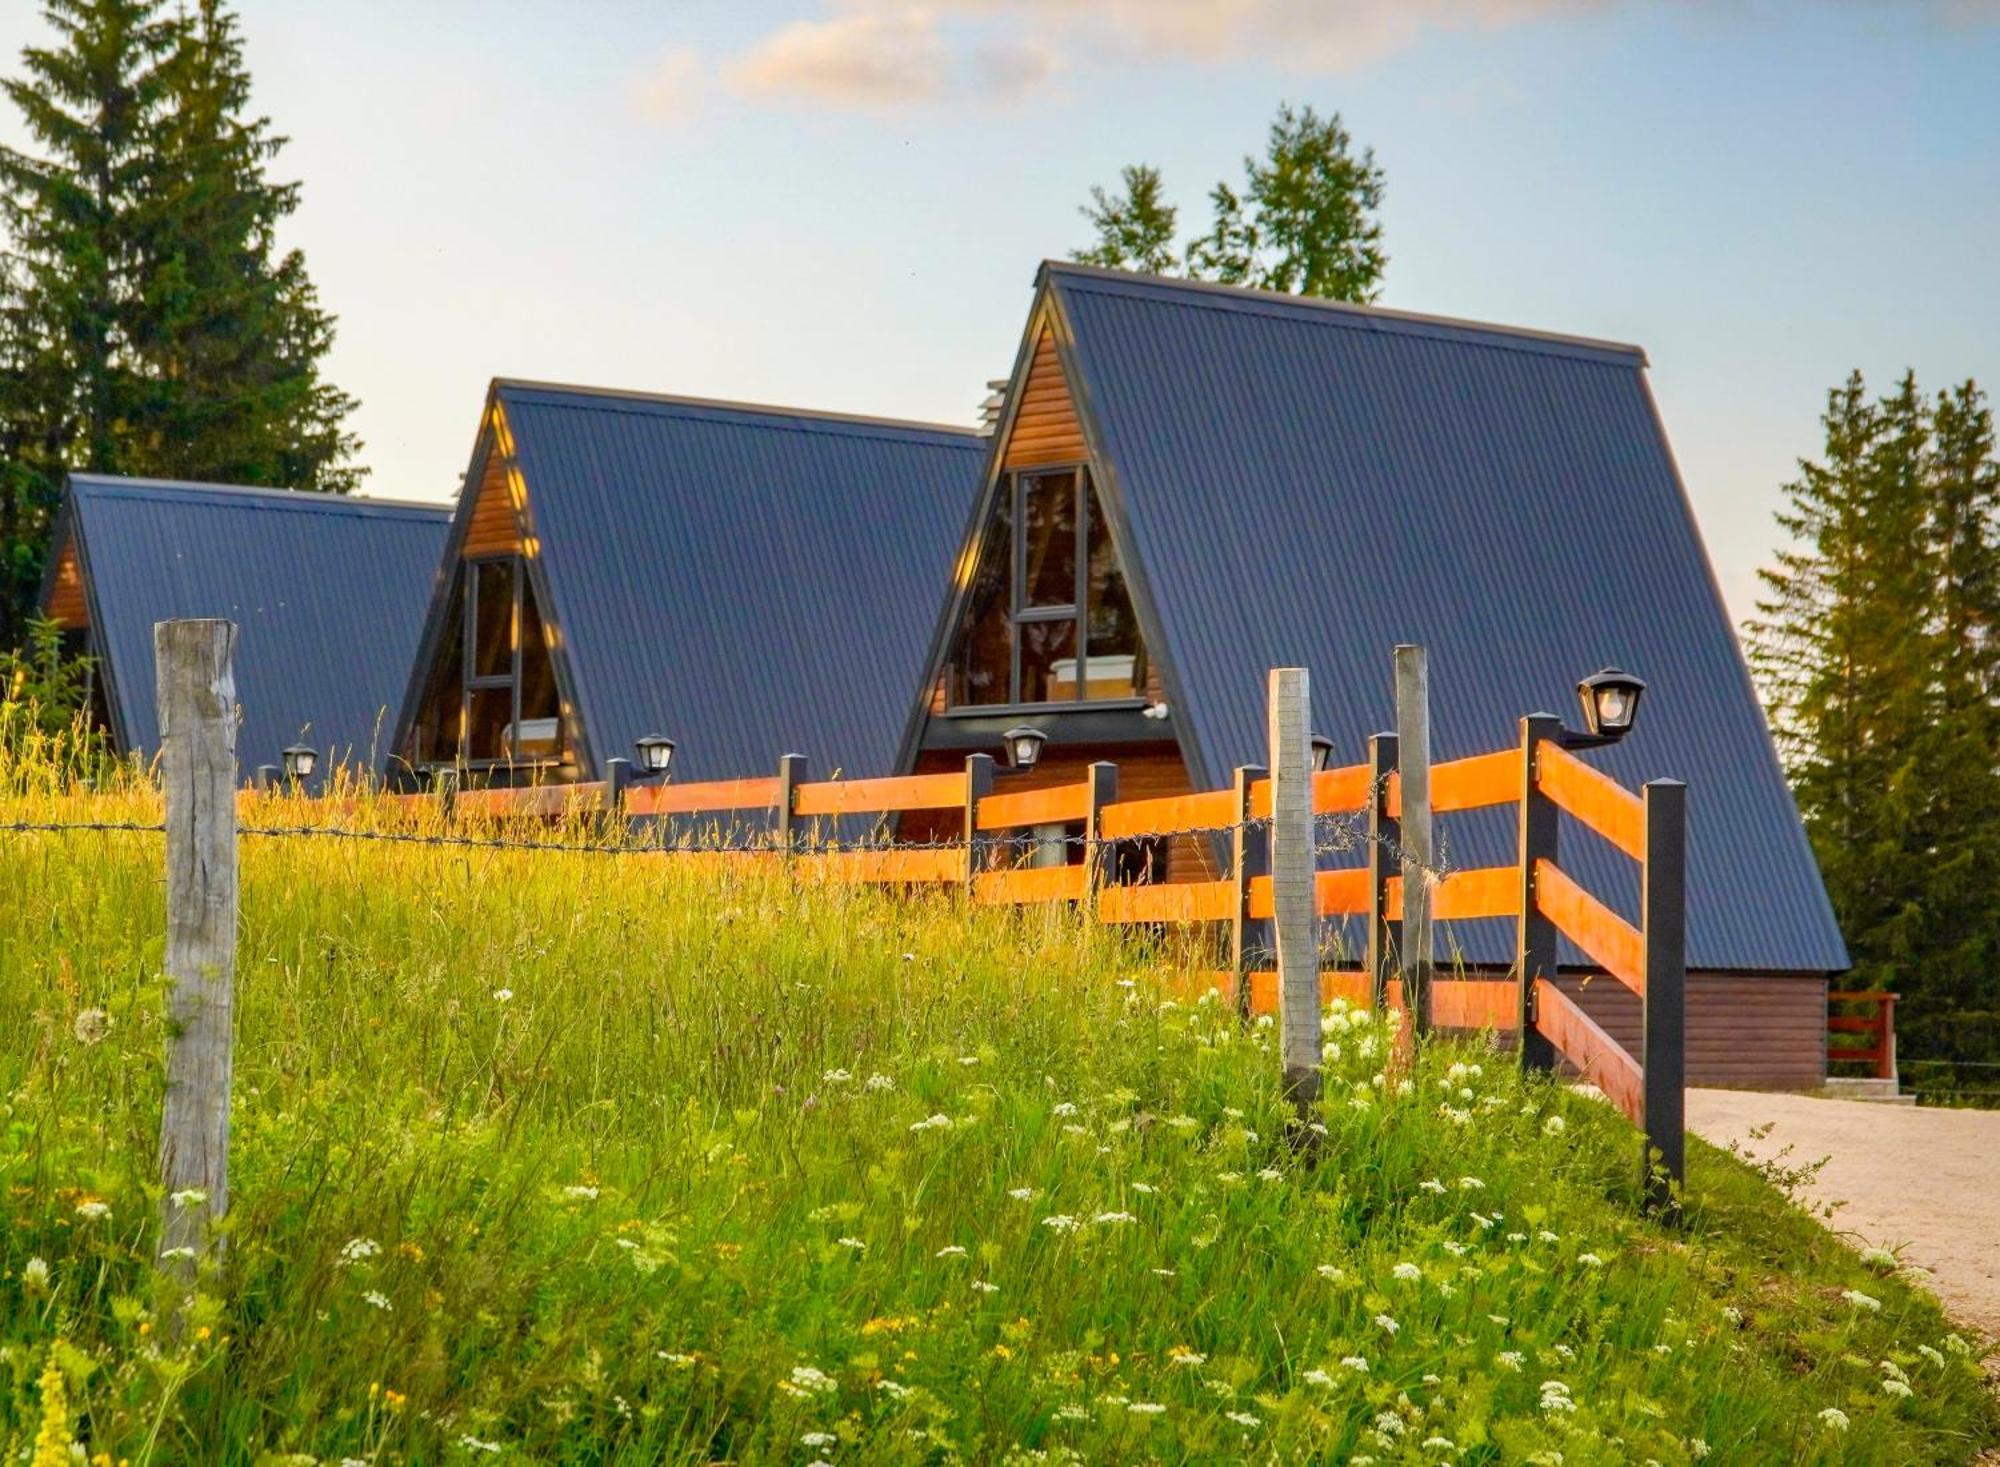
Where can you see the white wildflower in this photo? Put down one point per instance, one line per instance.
(1554, 1126)
(1440, 1444)
(812, 1381)
(474, 1444)
(818, 1439)
(984, 1287)
(879, 1082)
(1318, 1378)
(895, 1390)
(356, 1249)
(1508, 1359)
(1061, 1222)
(1063, 1108)
(1328, 1271)
(92, 1209)
(1386, 1323)
(932, 1123)
(379, 1300)
(1244, 1418)
(676, 1358)
(855, 1243)
(35, 1276)
(1147, 1408)
(1356, 1363)
(188, 1197)
(951, 1250)
(1929, 1352)
(1145, 1187)
(968, 1059)
(1409, 1273)
(1590, 1260)
(1270, 1174)
(1021, 1194)
(1470, 1184)
(1833, 1418)
(503, 995)
(580, 1192)
(1880, 1258)
(1389, 1423)
(836, 1077)
(1862, 1301)
(1898, 1388)
(1431, 1184)
(1114, 1217)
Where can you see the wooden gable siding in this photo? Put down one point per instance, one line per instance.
(494, 528)
(67, 605)
(1045, 430)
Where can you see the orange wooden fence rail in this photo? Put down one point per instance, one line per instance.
(995, 863)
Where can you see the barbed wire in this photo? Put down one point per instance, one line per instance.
(1335, 834)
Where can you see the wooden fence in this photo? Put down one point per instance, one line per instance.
(995, 863)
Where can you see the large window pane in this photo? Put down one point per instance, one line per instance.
(489, 711)
(983, 672)
(437, 730)
(493, 642)
(540, 733)
(1048, 537)
(1114, 659)
(1048, 661)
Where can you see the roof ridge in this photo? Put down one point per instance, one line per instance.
(817, 416)
(310, 500)
(1379, 316)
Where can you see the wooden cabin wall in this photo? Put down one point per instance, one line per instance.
(1045, 429)
(68, 606)
(493, 528)
(1742, 1029)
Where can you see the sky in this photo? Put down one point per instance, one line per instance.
(840, 204)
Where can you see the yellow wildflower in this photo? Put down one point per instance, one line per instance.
(52, 1442)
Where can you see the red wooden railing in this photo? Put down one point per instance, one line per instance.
(1880, 1026)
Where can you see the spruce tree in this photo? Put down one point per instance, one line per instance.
(148, 322)
(227, 330)
(1877, 650)
(91, 105)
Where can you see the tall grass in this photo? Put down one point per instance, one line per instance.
(562, 1157)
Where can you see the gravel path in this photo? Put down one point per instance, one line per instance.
(1928, 1179)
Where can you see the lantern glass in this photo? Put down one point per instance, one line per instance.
(300, 761)
(1024, 746)
(656, 753)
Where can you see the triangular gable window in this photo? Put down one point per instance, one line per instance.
(1047, 618)
(491, 699)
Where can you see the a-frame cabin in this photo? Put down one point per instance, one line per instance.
(1191, 484)
(326, 590)
(745, 580)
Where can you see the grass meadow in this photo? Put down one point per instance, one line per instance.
(574, 1158)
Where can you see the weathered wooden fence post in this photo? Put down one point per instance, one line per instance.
(1249, 857)
(196, 692)
(1663, 924)
(978, 785)
(1413, 765)
(1294, 904)
(1535, 935)
(1101, 779)
(1385, 842)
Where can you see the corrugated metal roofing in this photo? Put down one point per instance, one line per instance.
(1307, 485)
(748, 581)
(327, 591)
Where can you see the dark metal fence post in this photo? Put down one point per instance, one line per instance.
(1535, 935)
(791, 774)
(1250, 857)
(1102, 780)
(617, 781)
(1384, 851)
(978, 785)
(1664, 927)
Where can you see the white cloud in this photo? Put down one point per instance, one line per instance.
(669, 90)
(875, 55)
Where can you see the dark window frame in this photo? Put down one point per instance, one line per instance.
(470, 682)
(1013, 483)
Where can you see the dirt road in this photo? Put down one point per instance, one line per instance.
(1929, 1179)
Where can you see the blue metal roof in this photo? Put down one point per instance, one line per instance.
(327, 592)
(748, 581)
(1299, 483)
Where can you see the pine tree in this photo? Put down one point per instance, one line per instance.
(90, 104)
(1304, 222)
(148, 322)
(1877, 652)
(228, 332)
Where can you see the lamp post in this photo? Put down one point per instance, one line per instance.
(656, 755)
(1610, 700)
(1322, 753)
(300, 761)
(1024, 747)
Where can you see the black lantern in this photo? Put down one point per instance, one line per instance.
(1024, 746)
(656, 754)
(300, 761)
(1322, 752)
(1610, 701)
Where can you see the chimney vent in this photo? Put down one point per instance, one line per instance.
(993, 406)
